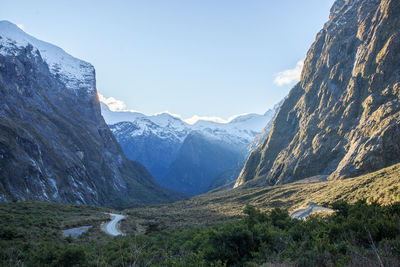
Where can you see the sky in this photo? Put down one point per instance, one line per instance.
(208, 58)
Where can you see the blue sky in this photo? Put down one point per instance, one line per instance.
(205, 58)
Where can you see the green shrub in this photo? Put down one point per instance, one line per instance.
(353, 235)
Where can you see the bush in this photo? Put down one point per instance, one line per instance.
(351, 236)
(72, 256)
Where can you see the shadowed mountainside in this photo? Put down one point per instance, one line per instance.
(54, 143)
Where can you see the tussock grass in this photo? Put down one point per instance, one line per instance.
(382, 186)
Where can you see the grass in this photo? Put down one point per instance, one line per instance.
(209, 209)
(31, 232)
(382, 186)
(31, 220)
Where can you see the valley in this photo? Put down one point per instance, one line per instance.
(192, 159)
(219, 207)
(312, 181)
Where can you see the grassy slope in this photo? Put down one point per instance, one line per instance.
(382, 186)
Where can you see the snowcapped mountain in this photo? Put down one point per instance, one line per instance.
(162, 125)
(239, 131)
(183, 156)
(75, 73)
(263, 135)
(54, 143)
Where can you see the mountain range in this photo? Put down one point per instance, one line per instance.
(341, 120)
(330, 149)
(182, 156)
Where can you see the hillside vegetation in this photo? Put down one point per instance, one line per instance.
(219, 228)
(356, 234)
(382, 187)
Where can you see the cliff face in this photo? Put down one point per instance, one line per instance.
(342, 119)
(54, 143)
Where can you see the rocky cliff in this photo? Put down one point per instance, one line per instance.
(54, 143)
(343, 118)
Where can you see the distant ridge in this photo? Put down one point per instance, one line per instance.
(186, 157)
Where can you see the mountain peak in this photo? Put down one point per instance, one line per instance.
(5, 24)
(75, 73)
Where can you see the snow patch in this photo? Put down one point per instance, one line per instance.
(75, 73)
(74, 184)
(91, 191)
(240, 130)
(82, 200)
(3, 198)
(356, 60)
(53, 184)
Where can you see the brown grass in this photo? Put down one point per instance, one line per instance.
(382, 186)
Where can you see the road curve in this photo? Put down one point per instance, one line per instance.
(304, 212)
(111, 227)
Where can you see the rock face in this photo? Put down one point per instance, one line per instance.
(261, 137)
(343, 118)
(54, 143)
(182, 156)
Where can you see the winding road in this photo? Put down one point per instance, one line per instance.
(304, 212)
(111, 227)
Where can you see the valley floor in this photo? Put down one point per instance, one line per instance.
(382, 186)
(186, 231)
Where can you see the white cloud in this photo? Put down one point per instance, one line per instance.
(237, 115)
(20, 26)
(289, 76)
(114, 104)
(197, 118)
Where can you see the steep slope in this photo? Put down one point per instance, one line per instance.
(261, 137)
(156, 152)
(342, 118)
(198, 161)
(54, 143)
(156, 141)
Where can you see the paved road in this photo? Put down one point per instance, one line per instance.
(304, 212)
(77, 231)
(111, 227)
